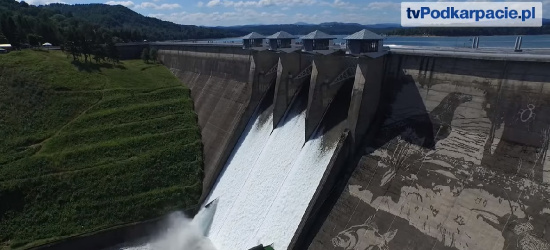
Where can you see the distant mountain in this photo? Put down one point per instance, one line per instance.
(21, 23)
(301, 28)
(120, 17)
(337, 28)
(384, 25)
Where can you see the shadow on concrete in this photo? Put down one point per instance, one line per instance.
(297, 105)
(336, 113)
(265, 108)
(392, 119)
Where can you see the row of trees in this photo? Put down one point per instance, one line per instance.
(22, 24)
(149, 55)
(90, 43)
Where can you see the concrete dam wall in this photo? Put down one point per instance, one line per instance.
(226, 85)
(284, 99)
(460, 161)
(426, 151)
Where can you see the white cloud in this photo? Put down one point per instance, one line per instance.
(260, 3)
(248, 16)
(213, 3)
(242, 16)
(164, 6)
(340, 4)
(128, 4)
(383, 6)
(200, 4)
(42, 2)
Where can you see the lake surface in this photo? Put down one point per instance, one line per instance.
(537, 41)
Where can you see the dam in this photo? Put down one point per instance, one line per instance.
(409, 149)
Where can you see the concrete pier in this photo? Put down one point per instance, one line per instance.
(294, 71)
(329, 73)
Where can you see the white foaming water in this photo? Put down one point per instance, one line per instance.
(288, 208)
(269, 202)
(260, 186)
(182, 233)
(262, 193)
(239, 165)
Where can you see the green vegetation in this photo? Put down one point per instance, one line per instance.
(24, 24)
(89, 146)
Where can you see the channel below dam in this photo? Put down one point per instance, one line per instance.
(408, 149)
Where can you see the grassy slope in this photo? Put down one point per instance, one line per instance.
(88, 147)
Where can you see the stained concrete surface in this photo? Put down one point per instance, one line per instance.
(460, 161)
(446, 153)
(226, 86)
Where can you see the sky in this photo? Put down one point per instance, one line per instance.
(242, 12)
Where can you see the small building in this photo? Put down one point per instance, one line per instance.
(364, 41)
(253, 40)
(280, 40)
(316, 40)
(6, 46)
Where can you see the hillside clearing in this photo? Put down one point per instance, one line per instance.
(87, 147)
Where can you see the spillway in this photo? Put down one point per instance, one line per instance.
(267, 184)
(265, 187)
(181, 232)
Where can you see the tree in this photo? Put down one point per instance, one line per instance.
(153, 54)
(112, 52)
(3, 39)
(145, 55)
(24, 4)
(34, 39)
(12, 32)
(99, 53)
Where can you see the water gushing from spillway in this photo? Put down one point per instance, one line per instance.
(268, 184)
(265, 187)
(182, 233)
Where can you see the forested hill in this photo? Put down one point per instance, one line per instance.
(334, 28)
(117, 17)
(21, 23)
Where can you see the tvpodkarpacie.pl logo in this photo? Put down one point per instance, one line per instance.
(471, 14)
